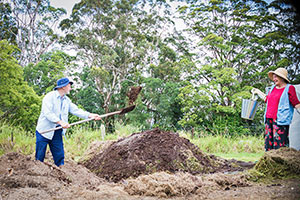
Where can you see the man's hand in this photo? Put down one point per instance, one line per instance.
(63, 124)
(95, 116)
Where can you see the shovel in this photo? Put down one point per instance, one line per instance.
(120, 112)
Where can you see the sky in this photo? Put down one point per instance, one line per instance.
(66, 4)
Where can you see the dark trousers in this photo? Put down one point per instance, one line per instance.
(56, 147)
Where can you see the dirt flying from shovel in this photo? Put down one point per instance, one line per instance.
(133, 94)
(153, 151)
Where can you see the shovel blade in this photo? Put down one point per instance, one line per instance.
(127, 109)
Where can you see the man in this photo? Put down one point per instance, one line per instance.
(54, 113)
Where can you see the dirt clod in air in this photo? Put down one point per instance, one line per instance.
(133, 94)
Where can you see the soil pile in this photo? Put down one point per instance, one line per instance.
(21, 177)
(153, 151)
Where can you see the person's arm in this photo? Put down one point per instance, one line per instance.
(297, 107)
(262, 95)
(81, 113)
(293, 98)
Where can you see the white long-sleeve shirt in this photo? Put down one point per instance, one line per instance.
(54, 109)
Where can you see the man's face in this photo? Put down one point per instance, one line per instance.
(67, 89)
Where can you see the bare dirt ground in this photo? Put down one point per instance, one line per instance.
(150, 165)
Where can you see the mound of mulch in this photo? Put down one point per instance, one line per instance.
(153, 151)
(165, 185)
(279, 163)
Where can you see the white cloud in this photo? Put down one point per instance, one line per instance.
(68, 5)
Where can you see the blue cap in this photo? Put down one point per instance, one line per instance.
(63, 82)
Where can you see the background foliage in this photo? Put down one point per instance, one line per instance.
(194, 75)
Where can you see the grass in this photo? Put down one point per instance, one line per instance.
(245, 148)
(15, 139)
(243, 156)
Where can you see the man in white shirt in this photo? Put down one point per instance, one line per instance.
(55, 109)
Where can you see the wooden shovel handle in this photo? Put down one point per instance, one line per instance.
(82, 121)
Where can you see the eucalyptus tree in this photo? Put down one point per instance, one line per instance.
(36, 23)
(288, 15)
(116, 41)
(8, 29)
(236, 44)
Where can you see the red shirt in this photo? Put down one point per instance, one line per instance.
(274, 97)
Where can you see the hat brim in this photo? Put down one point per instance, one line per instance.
(63, 85)
(270, 74)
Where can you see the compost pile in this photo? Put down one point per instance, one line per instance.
(153, 151)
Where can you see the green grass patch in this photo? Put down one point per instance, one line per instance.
(228, 144)
(77, 143)
(243, 148)
(15, 139)
(242, 156)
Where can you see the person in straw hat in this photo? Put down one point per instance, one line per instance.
(281, 101)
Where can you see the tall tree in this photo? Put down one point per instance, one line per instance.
(19, 103)
(36, 22)
(115, 39)
(43, 75)
(8, 29)
(236, 44)
(288, 15)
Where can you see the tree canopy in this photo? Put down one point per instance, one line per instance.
(19, 102)
(192, 77)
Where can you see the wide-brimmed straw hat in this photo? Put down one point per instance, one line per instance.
(279, 72)
(63, 82)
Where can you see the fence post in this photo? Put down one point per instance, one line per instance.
(102, 129)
